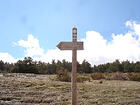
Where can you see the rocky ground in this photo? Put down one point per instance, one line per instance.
(31, 89)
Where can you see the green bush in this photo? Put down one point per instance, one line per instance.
(134, 76)
(63, 75)
(97, 76)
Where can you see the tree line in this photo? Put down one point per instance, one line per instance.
(28, 65)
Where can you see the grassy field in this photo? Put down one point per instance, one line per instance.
(30, 89)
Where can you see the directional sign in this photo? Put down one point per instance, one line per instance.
(74, 46)
(70, 45)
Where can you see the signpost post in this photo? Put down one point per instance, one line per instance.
(74, 46)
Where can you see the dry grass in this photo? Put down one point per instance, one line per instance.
(24, 89)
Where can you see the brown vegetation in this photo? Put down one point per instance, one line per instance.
(31, 89)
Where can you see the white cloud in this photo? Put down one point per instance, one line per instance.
(30, 43)
(7, 58)
(56, 54)
(128, 24)
(97, 50)
(31, 46)
(122, 46)
(136, 27)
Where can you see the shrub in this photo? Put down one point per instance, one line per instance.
(118, 76)
(134, 76)
(82, 78)
(97, 76)
(63, 75)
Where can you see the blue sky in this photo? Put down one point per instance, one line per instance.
(51, 21)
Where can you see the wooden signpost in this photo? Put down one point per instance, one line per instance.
(74, 46)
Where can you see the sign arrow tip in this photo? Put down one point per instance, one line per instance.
(59, 45)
